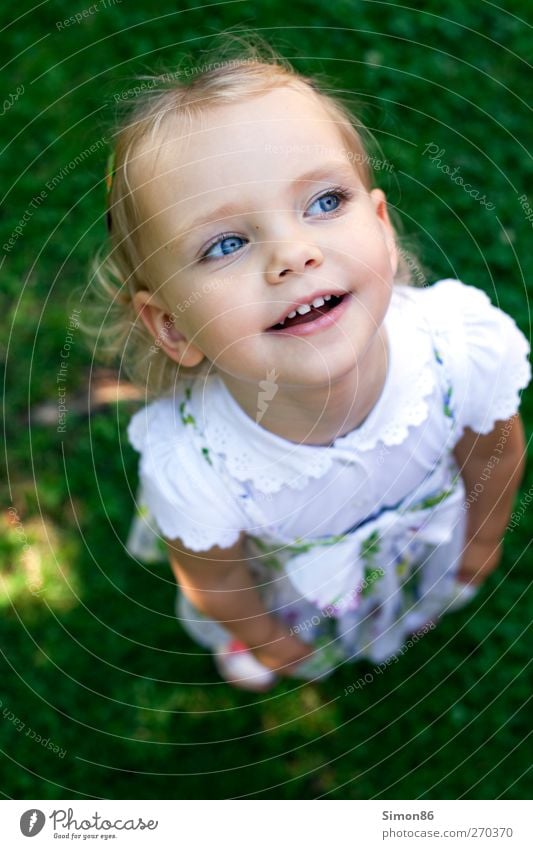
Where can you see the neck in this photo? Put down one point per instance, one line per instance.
(319, 415)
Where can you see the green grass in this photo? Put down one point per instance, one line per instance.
(93, 659)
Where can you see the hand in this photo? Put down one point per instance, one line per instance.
(480, 558)
(283, 654)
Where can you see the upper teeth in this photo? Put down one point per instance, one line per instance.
(304, 308)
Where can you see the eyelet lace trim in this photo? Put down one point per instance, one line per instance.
(291, 465)
(271, 463)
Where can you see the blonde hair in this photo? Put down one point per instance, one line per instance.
(239, 68)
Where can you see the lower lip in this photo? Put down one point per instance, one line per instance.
(327, 320)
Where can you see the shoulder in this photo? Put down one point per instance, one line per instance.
(166, 434)
(159, 425)
(452, 304)
(181, 485)
(485, 351)
(169, 462)
(466, 313)
(172, 427)
(154, 423)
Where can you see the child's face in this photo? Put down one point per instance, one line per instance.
(272, 214)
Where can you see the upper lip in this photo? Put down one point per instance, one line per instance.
(307, 299)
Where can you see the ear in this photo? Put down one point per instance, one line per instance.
(380, 205)
(161, 326)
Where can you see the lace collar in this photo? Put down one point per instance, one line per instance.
(271, 462)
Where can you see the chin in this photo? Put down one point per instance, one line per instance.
(321, 371)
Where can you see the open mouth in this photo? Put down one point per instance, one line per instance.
(311, 315)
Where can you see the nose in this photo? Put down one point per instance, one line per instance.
(292, 257)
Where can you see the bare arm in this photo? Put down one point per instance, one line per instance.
(219, 584)
(492, 467)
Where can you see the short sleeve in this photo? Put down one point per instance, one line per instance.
(184, 493)
(488, 354)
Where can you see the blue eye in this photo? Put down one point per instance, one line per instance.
(228, 244)
(331, 201)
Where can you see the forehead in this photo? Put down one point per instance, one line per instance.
(270, 137)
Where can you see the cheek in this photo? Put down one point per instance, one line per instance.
(362, 241)
(378, 254)
(215, 326)
(370, 259)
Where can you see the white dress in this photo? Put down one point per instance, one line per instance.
(354, 545)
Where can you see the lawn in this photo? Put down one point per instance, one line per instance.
(102, 694)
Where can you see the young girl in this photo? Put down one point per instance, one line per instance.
(333, 454)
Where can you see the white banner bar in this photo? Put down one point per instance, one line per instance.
(266, 824)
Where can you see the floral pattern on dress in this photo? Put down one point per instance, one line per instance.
(396, 570)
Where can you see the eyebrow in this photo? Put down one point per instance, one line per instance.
(318, 173)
